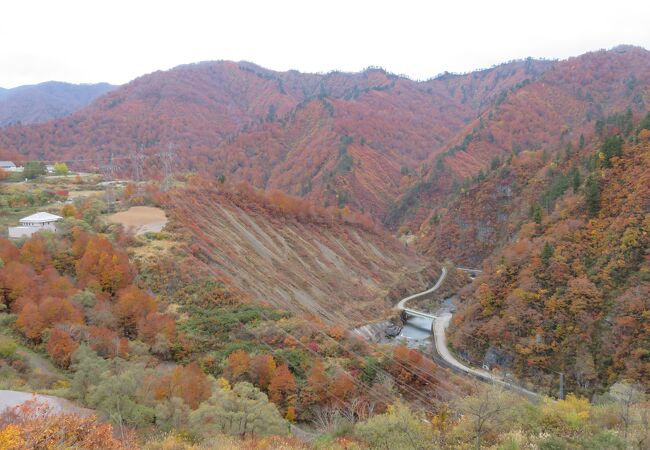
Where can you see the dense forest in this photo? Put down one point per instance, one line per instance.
(567, 290)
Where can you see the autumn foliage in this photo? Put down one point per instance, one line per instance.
(568, 293)
(34, 425)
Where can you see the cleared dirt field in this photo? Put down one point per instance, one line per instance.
(140, 219)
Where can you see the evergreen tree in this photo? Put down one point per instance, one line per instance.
(576, 180)
(547, 253)
(592, 195)
(536, 213)
(33, 169)
(613, 146)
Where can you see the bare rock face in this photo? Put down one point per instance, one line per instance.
(392, 330)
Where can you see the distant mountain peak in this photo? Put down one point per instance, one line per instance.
(37, 103)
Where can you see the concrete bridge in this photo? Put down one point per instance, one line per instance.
(415, 313)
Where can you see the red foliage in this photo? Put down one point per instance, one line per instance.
(133, 305)
(262, 370)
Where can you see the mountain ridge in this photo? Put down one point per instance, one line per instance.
(37, 103)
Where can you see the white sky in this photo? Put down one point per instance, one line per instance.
(116, 41)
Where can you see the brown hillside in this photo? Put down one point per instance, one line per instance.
(279, 250)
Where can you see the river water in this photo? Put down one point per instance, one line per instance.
(416, 329)
(416, 333)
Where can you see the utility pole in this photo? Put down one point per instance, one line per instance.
(561, 385)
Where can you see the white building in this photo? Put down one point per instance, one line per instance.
(33, 224)
(9, 166)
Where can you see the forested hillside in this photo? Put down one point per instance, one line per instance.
(339, 139)
(570, 100)
(46, 101)
(568, 291)
(299, 206)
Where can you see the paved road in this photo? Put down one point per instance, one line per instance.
(403, 301)
(440, 325)
(9, 399)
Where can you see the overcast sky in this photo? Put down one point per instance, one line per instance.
(116, 41)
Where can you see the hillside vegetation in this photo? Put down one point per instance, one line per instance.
(337, 139)
(567, 290)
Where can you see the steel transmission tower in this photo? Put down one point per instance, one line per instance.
(167, 159)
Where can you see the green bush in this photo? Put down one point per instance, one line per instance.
(7, 348)
(552, 443)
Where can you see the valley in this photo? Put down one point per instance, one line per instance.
(229, 245)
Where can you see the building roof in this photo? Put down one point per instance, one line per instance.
(7, 164)
(41, 217)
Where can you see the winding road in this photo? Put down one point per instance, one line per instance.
(401, 305)
(439, 328)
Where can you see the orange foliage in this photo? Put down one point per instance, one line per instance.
(316, 389)
(154, 324)
(343, 387)
(238, 364)
(190, 384)
(133, 305)
(282, 389)
(34, 252)
(100, 265)
(61, 346)
(106, 342)
(36, 426)
(8, 251)
(30, 322)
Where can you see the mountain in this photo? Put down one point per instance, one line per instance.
(373, 141)
(46, 101)
(568, 100)
(338, 139)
